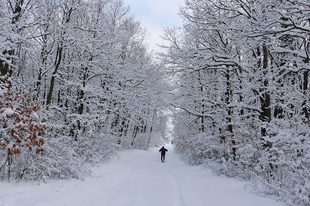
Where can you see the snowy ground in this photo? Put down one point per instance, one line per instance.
(137, 178)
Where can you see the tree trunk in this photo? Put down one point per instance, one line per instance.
(228, 97)
(67, 15)
(57, 65)
(305, 89)
(265, 115)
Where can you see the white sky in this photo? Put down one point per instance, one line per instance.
(154, 15)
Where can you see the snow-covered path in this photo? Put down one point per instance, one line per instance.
(137, 178)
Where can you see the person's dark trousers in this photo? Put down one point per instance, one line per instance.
(162, 157)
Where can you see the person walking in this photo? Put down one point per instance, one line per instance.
(163, 151)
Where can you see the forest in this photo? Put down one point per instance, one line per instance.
(241, 91)
(78, 84)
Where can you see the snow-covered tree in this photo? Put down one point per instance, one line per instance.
(87, 63)
(242, 70)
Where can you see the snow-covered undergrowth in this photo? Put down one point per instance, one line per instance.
(137, 178)
(281, 170)
(66, 157)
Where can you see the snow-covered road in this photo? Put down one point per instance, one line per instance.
(137, 178)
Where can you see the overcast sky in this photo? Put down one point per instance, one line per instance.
(154, 15)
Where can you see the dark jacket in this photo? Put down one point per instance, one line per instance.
(163, 150)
